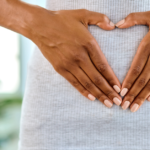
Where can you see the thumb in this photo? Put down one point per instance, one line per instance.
(101, 20)
(132, 20)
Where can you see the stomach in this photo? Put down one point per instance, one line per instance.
(63, 118)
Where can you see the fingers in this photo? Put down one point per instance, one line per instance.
(78, 85)
(137, 65)
(101, 20)
(100, 81)
(137, 18)
(140, 98)
(101, 64)
(137, 87)
(88, 84)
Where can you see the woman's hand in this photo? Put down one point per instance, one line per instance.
(137, 81)
(64, 39)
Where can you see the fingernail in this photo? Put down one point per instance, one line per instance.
(125, 105)
(117, 89)
(117, 101)
(124, 92)
(134, 108)
(112, 24)
(148, 99)
(91, 97)
(108, 103)
(120, 23)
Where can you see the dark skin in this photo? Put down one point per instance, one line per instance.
(64, 40)
(137, 80)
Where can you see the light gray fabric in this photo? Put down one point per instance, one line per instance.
(55, 116)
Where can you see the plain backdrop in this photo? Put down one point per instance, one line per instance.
(27, 46)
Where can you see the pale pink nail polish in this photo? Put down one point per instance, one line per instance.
(112, 24)
(124, 92)
(108, 103)
(91, 97)
(116, 88)
(120, 23)
(135, 107)
(117, 101)
(125, 105)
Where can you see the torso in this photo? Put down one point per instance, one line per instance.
(60, 117)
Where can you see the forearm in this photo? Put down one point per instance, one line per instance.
(16, 15)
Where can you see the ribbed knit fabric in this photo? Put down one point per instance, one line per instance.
(55, 116)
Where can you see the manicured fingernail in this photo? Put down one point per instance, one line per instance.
(108, 103)
(91, 97)
(112, 24)
(124, 92)
(135, 107)
(148, 99)
(117, 101)
(117, 89)
(120, 23)
(125, 105)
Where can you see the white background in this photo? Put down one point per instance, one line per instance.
(15, 52)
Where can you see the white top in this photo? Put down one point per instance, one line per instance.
(55, 116)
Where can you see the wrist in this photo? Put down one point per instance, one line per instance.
(17, 16)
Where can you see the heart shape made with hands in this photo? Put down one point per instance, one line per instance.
(136, 85)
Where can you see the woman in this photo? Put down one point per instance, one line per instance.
(55, 115)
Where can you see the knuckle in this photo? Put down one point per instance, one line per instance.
(132, 15)
(128, 84)
(142, 82)
(84, 11)
(111, 81)
(79, 58)
(102, 68)
(109, 93)
(89, 44)
(98, 80)
(100, 96)
(105, 18)
(69, 66)
(136, 70)
(88, 85)
(140, 100)
(130, 97)
(74, 83)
